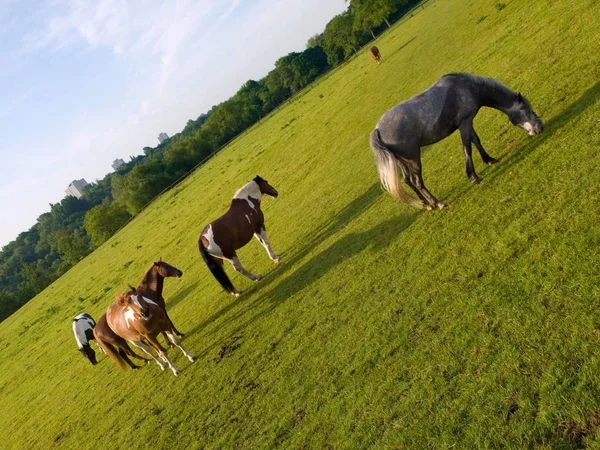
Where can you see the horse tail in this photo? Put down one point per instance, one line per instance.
(112, 353)
(216, 269)
(387, 165)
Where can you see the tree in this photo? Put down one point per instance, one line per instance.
(339, 38)
(102, 221)
(315, 41)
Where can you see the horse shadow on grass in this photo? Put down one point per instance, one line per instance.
(575, 109)
(354, 209)
(342, 250)
(393, 52)
(174, 301)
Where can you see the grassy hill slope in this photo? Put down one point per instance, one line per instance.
(384, 326)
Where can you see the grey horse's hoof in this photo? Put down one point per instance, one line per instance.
(258, 277)
(442, 205)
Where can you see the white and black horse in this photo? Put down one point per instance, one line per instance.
(83, 329)
(449, 105)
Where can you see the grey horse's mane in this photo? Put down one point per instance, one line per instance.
(485, 81)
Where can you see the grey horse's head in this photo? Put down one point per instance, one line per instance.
(521, 115)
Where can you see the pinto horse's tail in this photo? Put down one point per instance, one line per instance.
(112, 353)
(387, 165)
(216, 269)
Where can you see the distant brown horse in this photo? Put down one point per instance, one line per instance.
(139, 319)
(375, 54)
(221, 238)
(152, 283)
(114, 345)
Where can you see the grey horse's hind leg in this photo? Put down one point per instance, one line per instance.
(466, 128)
(417, 184)
(484, 156)
(406, 175)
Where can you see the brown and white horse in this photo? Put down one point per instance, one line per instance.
(221, 238)
(375, 54)
(152, 284)
(114, 345)
(139, 319)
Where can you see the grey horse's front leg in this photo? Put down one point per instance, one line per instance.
(466, 128)
(484, 156)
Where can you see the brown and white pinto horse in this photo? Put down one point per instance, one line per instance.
(114, 345)
(375, 54)
(152, 284)
(221, 238)
(139, 319)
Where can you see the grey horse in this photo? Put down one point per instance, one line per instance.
(450, 104)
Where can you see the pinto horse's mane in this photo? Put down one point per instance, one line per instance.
(250, 189)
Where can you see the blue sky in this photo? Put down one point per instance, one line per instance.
(85, 82)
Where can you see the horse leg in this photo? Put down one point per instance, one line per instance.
(142, 346)
(237, 265)
(127, 360)
(416, 179)
(262, 238)
(466, 129)
(484, 156)
(175, 341)
(177, 332)
(407, 180)
(123, 347)
(162, 353)
(167, 340)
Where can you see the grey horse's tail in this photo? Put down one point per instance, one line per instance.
(387, 165)
(216, 269)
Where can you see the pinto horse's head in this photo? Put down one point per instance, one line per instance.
(136, 307)
(521, 115)
(88, 352)
(265, 187)
(167, 270)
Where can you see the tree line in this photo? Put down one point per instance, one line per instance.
(73, 228)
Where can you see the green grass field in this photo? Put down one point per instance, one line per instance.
(384, 326)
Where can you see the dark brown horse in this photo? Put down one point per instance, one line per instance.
(114, 345)
(375, 54)
(138, 319)
(221, 238)
(152, 283)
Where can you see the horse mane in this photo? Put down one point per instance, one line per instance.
(486, 82)
(145, 277)
(125, 295)
(250, 189)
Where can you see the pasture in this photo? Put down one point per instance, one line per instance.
(383, 326)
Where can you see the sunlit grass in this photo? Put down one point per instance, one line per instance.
(383, 326)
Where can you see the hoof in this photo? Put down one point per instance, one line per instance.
(258, 277)
(193, 358)
(236, 293)
(427, 207)
(180, 334)
(442, 205)
(491, 161)
(276, 259)
(176, 372)
(475, 180)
